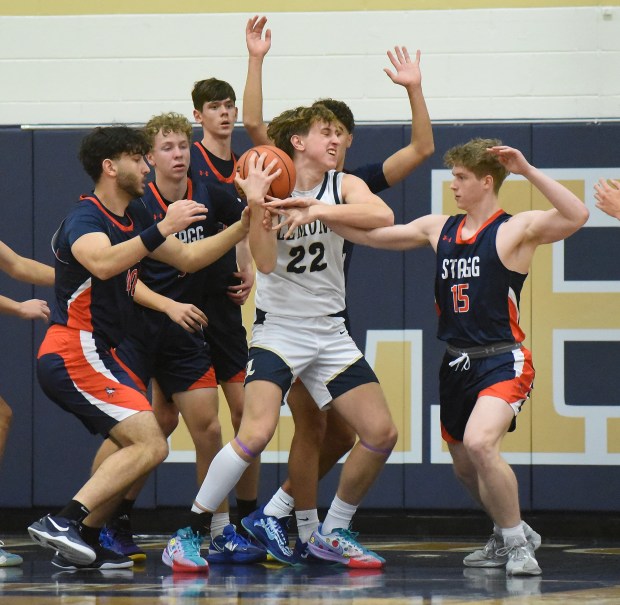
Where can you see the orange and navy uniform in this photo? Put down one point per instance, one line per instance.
(225, 333)
(156, 347)
(89, 317)
(477, 300)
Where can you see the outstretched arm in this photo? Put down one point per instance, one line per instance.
(25, 269)
(28, 309)
(423, 231)
(407, 73)
(536, 227)
(258, 47)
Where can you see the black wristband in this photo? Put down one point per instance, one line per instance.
(152, 238)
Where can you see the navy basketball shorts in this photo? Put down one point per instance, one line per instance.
(318, 350)
(179, 360)
(226, 337)
(86, 380)
(507, 376)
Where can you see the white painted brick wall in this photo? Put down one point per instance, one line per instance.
(491, 64)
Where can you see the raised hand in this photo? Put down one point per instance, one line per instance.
(407, 72)
(512, 159)
(257, 45)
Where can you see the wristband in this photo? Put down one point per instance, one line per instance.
(152, 238)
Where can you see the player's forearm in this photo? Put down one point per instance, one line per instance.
(363, 216)
(253, 102)
(34, 272)
(244, 255)
(263, 243)
(400, 164)
(206, 251)
(8, 306)
(568, 205)
(148, 298)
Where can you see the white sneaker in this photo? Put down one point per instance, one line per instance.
(489, 557)
(521, 560)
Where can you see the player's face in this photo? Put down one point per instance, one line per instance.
(217, 117)
(131, 171)
(467, 188)
(170, 155)
(346, 138)
(322, 144)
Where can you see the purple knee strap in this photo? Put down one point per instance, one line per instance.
(377, 450)
(244, 448)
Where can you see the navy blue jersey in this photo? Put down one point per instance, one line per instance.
(81, 300)
(372, 175)
(208, 168)
(222, 207)
(477, 297)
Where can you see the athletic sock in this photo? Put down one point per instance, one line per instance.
(280, 505)
(339, 516)
(75, 511)
(90, 535)
(307, 522)
(245, 508)
(218, 522)
(513, 535)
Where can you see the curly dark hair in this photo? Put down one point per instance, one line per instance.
(110, 142)
(341, 110)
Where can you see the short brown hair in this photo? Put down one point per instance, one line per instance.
(297, 121)
(474, 156)
(212, 89)
(167, 123)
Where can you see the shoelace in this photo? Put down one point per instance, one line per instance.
(275, 526)
(464, 359)
(351, 536)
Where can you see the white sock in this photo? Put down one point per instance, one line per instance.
(307, 522)
(280, 505)
(224, 473)
(339, 516)
(218, 523)
(513, 535)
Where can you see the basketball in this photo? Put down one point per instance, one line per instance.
(284, 183)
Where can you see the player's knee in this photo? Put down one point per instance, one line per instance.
(478, 447)
(159, 451)
(383, 438)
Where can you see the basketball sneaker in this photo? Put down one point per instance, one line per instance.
(341, 546)
(269, 532)
(120, 540)
(182, 552)
(489, 557)
(303, 556)
(105, 559)
(8, 559)
(232, 547)
(64, 536)
(521, 560)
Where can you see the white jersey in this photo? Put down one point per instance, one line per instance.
(308, 280)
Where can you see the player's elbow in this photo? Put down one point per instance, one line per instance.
(265, 266)
(584, 215)
(387, 217)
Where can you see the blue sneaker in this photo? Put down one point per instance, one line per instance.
(232, 547)
(182, 552)
(120, 541)
(269, 532)
(341, 546)
(8, 559)
(64, 536)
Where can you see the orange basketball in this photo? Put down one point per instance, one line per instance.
(282, 186)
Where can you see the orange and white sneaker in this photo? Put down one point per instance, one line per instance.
(341, 546)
